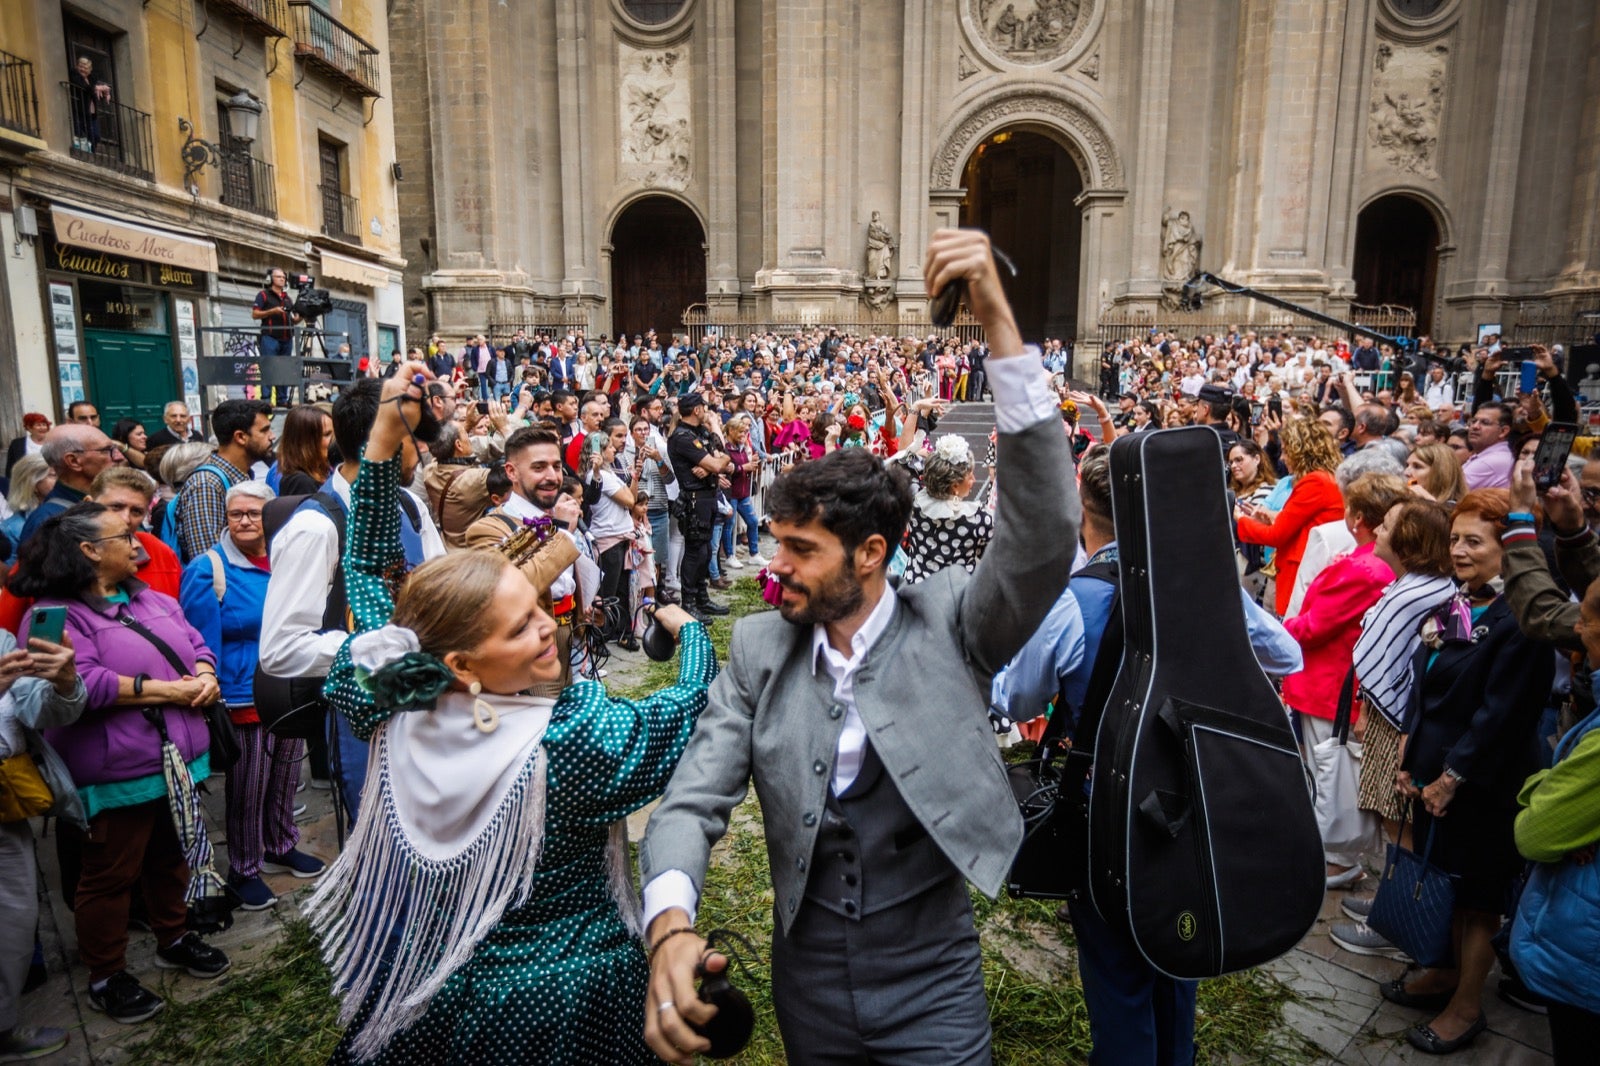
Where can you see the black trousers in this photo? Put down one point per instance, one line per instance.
(698, 521)
(614, 585)
(1574, 1032)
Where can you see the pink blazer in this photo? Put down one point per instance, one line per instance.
(1327, 627)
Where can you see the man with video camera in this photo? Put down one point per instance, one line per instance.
(274, 309)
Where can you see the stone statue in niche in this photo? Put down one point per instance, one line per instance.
(654, 114)
(1180, 255)
(1030, 31)
(880, 249)
(1407, 101)
(878, 296)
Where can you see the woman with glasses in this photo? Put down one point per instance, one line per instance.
(223, 593)
(85, 560)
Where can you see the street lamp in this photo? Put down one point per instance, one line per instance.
(244, 122)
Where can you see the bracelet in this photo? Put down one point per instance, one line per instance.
(138, 683)
(1520, 517)
(668, 935)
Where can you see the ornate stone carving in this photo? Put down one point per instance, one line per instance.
(1407, 101)
(653, 105)
(1103, 170)
(878, 296)
(1030, 31)
(965, 67)
(1091, 67)
(1180, 255)
(880, 249)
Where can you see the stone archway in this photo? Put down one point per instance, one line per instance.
(1086, 179)
(1397, 255)
(658, 266)
(1021, 188)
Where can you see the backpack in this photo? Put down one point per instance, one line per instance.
(169, 523)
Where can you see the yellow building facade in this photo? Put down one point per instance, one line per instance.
(157, 161)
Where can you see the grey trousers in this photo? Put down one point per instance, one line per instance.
(901, 987)
(19, 915)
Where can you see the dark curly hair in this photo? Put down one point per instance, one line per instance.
(50, 564)
(851, 492)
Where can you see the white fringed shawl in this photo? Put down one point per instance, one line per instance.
(447, 842)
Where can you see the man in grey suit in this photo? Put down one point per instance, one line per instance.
(859, 712)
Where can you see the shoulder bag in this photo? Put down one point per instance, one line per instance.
(219, 723)
(1416, 902)
(23, 791)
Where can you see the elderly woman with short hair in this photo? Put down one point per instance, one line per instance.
(223, 593)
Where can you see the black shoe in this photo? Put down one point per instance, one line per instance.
(707, 605)
(666, 596)
(125, 1000)
(194, 955)
(1519, 995)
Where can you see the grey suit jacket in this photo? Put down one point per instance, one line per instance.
(921, 692)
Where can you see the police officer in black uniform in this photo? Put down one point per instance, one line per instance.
(698, 462)
(1215, 404)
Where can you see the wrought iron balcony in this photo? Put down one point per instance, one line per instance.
(110, 134)
(341, 214)
(248, 183)
(19, 100)
(266, 17)
(331, 47)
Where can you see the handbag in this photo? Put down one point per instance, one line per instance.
(1337, 775)
(224, 746)
(23, 791)
(1416, 901)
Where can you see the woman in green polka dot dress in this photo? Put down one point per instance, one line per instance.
(483, 910)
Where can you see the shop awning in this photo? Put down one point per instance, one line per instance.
(118, 236)
(337, 267)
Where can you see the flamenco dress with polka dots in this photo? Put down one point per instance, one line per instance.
(943, 533)
(522, 944)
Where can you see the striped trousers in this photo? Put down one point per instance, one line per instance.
(260, 798)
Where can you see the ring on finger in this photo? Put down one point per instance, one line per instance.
(665, 1006)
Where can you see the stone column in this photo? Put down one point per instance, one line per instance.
(1103, 223)
(722, 215)
(916, 151)
(1149, 165)
(578, 123)
(1504, 156)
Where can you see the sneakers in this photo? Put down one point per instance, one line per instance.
(1347, 877)
(1357, 907)
(254, 895)
(321, 784)
(299, 809)
(1359, 938)
(27, 1042)
(123, 999)
(195, 956)
(732, 563)
(758, 560)
(295, 862)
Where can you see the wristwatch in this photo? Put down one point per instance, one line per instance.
(1453, 775)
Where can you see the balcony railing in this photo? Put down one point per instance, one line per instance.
(265, 16)
(341, 214)
(329, 46)
(249, 183)
(110, 134)
(19, 100)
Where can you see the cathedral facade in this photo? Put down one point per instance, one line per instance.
(615, 162)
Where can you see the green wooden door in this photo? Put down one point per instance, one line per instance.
(129, 375)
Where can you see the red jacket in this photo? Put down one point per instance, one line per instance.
(1327, 627)
(162, 572)
(1315, 499)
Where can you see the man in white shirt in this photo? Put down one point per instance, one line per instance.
(860, 713)
(299, 632)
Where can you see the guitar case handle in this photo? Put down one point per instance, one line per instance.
(1167, 811)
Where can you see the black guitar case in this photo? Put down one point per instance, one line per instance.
(1203, 841)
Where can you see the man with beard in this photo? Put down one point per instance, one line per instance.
(859, 711)
(243, 429)
(533, 462)
(305, 619)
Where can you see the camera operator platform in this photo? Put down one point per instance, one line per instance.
(275, 310)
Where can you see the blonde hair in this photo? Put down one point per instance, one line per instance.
(446, 601)
(1309, 446)
(1443, 481)
(26, 473)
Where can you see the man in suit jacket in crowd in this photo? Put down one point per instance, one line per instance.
(859, 711)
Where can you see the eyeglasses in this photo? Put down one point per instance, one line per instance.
(1590, 496)
(129, 537)
(244, 516)
(109, 449)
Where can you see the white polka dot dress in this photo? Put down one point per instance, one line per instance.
(561, 980)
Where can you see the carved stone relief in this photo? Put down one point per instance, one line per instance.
(965, 67)
(1030, 31)
(653, 104)
(1091, 67)
(1103, 170)
(1407, 101)
(1180, 255)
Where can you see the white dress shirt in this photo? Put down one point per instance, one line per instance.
(1022, 398)
(305, 554)
(519, 506)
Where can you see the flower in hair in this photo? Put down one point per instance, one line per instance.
(953, 448)
(392, 667)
